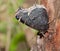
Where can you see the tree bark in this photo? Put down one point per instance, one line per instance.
(52, 41)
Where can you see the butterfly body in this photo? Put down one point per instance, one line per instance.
(34, 17)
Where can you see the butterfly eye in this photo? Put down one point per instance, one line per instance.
(17, 17)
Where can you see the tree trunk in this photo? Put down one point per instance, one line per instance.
(52, 41)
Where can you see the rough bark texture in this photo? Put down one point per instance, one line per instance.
(52, 41)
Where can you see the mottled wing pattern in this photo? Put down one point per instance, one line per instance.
(39, 19)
